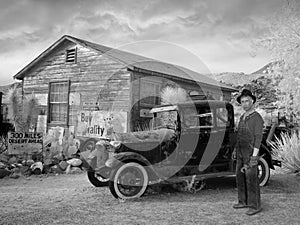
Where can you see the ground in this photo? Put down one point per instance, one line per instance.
(71, 199)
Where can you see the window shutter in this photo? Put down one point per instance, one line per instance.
(71, 55)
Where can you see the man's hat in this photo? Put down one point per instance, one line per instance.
(246, 92)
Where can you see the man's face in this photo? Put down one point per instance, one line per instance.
(246, 102)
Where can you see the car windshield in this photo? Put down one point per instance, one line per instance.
(165, 119)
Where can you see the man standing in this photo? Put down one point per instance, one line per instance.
(249, 136)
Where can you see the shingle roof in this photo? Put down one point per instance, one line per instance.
(135, 61)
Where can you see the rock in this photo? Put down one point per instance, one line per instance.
(25, 170)
(13, 160)
(37, 168)
(56, 169)
(15, 175)
(74, 170)
(2, 165)
(4, 173)
(63, 165)
(4, 157)
(16, 170)
(74, 162)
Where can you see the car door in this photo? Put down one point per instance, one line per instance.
(223, 136)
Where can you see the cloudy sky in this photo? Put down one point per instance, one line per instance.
(217, 33)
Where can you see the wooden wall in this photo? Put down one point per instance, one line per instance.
(95, 80)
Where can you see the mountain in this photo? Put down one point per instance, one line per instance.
(270, 68)
(236, 79)
(242, 79)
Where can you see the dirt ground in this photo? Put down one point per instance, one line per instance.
(71, 199)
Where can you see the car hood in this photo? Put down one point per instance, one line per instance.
(160, 135)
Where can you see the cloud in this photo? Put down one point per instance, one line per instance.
(212, 28)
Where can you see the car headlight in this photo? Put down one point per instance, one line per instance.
(115, 144)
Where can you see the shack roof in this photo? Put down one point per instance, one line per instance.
(132, 61)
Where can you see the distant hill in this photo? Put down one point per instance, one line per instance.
(242, 79)
(236, 79)
(269, 68)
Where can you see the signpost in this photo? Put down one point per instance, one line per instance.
(28, 143)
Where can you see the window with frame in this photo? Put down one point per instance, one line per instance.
(58, 102)
(149, 92)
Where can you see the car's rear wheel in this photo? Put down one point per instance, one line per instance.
(128, 181)
(263, 172)
(97, 180)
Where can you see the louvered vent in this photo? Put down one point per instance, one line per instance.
(71, 55)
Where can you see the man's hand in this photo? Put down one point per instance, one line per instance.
(253, 161)
(245, 168)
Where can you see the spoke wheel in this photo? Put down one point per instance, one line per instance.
(128, 181)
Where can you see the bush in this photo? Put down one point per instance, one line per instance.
(287, 150)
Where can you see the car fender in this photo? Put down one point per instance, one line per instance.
(267, 155)
(124, 157)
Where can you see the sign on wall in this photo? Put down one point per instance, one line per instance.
(101, 123)
(19, 143)
(41, 126)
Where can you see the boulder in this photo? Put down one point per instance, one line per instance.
(56, 169)
(4, 173)
(74, 170)
(74, 162)
(63, 165)
(2, 165)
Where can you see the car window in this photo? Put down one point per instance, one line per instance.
(222, 117)
(206, 119)
(190, 119)
(197, 118)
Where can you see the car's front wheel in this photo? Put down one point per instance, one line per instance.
(263, 172)
(128, 181)
(97, 180)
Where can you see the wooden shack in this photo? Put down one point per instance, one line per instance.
(76, 79)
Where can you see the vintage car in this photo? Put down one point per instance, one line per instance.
(186, 143)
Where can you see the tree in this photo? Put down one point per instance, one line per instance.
(282, 40)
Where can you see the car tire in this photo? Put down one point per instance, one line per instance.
(128, 181)
(263, 172)
(96, 180)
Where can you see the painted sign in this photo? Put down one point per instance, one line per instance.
(19, 143)
(101, 123)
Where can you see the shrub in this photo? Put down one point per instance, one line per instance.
(286, 149)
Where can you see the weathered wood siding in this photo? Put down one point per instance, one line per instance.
(95, 80)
